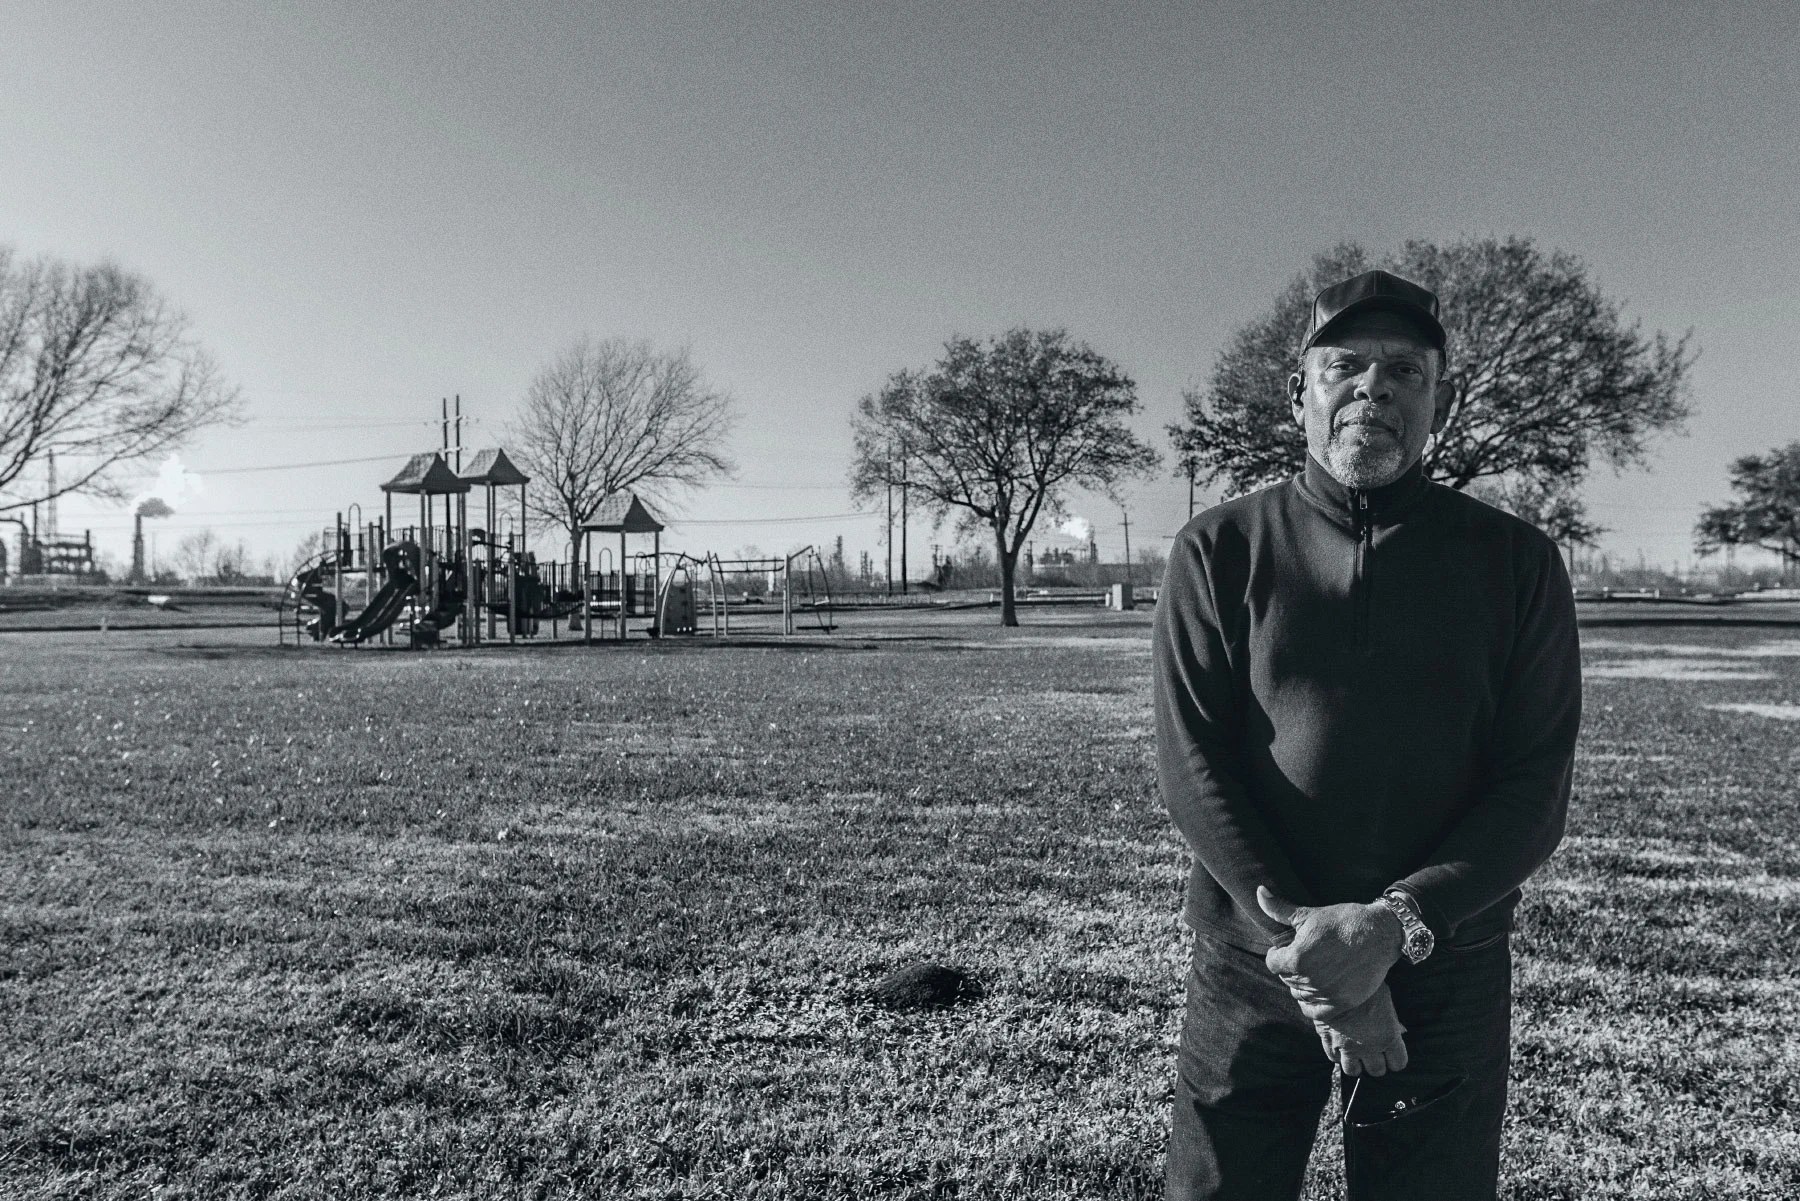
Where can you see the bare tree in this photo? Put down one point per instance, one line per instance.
(96, 369)
(1766, 512)
(1550, 379)
(203, 555)
(995, 434)
(613, 416)
(233, 563)
(197, 553)
(304, 552)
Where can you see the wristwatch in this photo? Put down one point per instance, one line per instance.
(1416, 938)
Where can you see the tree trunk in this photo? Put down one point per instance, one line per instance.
(1008, 559)
(574, 527)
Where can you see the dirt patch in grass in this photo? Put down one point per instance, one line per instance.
(1766, 648)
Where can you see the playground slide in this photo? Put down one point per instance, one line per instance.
(384, 608)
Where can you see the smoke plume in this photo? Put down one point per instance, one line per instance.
(173, 487)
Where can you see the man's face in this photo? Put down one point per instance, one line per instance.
(1369, 396)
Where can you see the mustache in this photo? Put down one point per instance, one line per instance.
(1364, 415)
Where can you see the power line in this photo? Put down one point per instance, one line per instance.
(401, 455)
(297, 466)
(770, 520)
(198, 523)
(315, 426)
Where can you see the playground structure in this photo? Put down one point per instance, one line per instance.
(440, 578)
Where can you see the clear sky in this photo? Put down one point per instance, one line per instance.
(364, 208)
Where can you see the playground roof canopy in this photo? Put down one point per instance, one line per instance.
(623, 513)
(426, 474)
(491, 466)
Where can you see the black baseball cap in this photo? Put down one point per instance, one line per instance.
(1374, 291)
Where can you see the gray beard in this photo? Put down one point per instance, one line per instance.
(1355, 464)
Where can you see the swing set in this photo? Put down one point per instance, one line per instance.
(672, 580)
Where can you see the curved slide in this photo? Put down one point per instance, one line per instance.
(384, 608)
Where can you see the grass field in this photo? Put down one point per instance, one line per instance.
(595, 923)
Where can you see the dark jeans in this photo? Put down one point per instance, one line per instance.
(1252, 1080)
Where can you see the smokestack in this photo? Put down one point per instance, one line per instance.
(150, 506)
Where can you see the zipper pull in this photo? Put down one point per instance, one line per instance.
(1363, 528)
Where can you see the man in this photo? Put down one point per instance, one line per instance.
(1367, 696)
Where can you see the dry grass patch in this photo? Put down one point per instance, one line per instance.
(1778, 711)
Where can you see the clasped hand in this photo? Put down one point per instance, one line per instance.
(1336, 968)
(1368, 1039)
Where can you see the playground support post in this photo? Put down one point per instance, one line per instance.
(337, 559)
(387, 533)
(724, 595)
(449, 530)
(714, 585)
(428, 583)
(378, 563)
(462, 544)
(587, 588)
(488, 592)
(471, 614)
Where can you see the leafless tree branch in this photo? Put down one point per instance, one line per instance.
(609, 416)
(98, 370)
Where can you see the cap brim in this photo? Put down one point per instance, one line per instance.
(1419, 318)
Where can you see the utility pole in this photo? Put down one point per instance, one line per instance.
(890, 525)
(1190, 473)
(905, 487)
(458, 463)
(1127, 524)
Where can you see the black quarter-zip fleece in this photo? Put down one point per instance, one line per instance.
(1363, 689)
